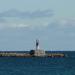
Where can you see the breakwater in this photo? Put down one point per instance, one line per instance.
(14, 54)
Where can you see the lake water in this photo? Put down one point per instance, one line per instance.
(38, 65)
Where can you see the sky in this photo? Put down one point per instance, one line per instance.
(24, 21)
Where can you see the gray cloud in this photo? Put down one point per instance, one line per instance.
(20, 14)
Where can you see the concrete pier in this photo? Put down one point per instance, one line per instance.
(56, 55)
(10, 54)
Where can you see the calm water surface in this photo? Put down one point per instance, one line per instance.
(38, 65)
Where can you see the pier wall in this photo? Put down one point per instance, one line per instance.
(9, 54)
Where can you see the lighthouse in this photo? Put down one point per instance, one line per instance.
(37, 51)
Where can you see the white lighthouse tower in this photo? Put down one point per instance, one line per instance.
(38, 51)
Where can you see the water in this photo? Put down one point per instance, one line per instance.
(38, 65)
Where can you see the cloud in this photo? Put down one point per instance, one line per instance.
(19, 14)
(37, 19)
(67, 23)
(63, 23)
(64, 27)
(13, 25)
(19, 19)
(24, 25)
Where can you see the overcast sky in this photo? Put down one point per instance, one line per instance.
(24, 21)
